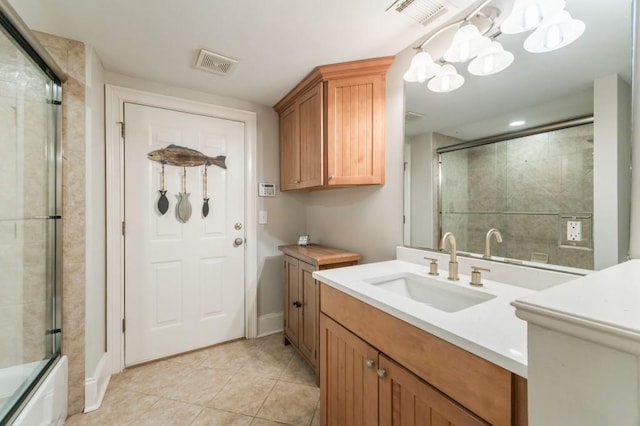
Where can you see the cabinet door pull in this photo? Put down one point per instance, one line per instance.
(370, 363)
(382, 373)
(297, 304)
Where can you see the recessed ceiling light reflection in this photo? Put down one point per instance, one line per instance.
(517, 123)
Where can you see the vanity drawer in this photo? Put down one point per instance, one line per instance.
(479, 385)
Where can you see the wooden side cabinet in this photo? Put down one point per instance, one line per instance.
(302, 293)
(332, 127)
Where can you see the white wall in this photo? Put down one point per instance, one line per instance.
(611, 170)
(95, 333)
(422, 207)
(634, 249)
(286, 211)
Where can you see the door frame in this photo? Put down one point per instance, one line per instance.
(115, 98)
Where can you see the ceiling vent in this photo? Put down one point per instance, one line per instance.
(215, 63)
(421, 11)
(412, 116)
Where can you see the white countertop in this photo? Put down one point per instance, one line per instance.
(489, 329)
(603, 307)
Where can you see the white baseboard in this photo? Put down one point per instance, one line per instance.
(96, 386)
(270, 324)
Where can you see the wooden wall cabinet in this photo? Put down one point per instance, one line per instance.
(302, 293)
(332, 127)
(378, 370)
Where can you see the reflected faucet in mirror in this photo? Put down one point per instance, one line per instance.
(453, 261)
(487, 242)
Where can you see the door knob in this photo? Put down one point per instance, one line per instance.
(238, 226)
(237, 242)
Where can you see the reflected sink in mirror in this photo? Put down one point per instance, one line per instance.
(446, 297)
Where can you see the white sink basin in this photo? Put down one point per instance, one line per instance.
(444, 296)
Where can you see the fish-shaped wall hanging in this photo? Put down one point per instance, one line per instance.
(175, 155)
(163, 202)
(205, 199)
(183, 208)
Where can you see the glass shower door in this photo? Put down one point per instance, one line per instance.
(29, 223)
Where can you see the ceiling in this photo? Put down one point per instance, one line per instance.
(539, 88)
(277, 42)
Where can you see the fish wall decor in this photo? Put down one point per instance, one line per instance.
(183, 208)
(175, 155)
(205, 199)
(163, 202)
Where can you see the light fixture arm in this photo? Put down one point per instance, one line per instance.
(476, 11)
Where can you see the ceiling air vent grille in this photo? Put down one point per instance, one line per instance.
(421, 11)
(412, 116)
(215, 63)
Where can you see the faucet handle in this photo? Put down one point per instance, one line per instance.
(433, 266)
(476, 278)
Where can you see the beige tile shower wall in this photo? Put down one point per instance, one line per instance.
(544, 176)
(70, 56)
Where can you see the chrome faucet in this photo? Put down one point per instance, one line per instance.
(487, 242)
(453, 261)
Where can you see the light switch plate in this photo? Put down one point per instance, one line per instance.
(262, 217)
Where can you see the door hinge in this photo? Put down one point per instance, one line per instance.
(124, 325)
(123, 227)
(404, 220)
(122, 131)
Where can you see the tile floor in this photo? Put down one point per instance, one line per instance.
(248, 382)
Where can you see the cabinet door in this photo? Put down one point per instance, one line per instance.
(348, 378)
(311, 138)
(289, 149)
(406, 400)
(355, 131)
(308, 327)
(291, 299)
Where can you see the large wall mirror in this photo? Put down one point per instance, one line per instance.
(557, 186)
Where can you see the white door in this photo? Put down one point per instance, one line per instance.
(184, 282)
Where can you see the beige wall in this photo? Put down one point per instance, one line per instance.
(70, 56)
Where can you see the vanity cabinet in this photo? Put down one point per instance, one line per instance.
(332, 127)
(364, 387)
(377, 369)
(301, 293)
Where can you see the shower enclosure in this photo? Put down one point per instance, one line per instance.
(30, 217)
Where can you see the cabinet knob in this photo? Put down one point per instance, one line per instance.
(331, 177)
(382, 373)
(297, 304)
(370, 363)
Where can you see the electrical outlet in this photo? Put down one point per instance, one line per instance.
(574, 230)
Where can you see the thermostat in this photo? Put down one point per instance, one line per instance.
(267, 190)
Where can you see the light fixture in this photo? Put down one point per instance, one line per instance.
(526, 15)
(422, 68)
(554, 32)
(553, 28)
(492, 60)
(517, 123)
(446, 80)
(467, 43)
